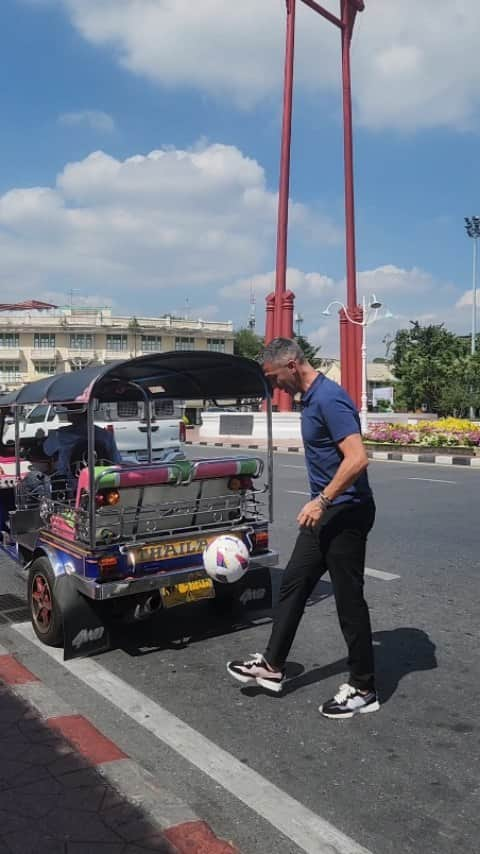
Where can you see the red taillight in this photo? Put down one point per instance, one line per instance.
(107, 498)
(182, 433)
(108, 566)
(261, 541)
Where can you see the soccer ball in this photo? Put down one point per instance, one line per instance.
(226, 559)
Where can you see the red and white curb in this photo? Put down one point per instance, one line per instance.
(187, 833)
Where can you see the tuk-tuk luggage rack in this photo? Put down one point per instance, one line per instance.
(118, 524)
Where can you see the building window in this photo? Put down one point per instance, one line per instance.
(45, 367)
(44, 341)
(117, 343)
(184, 343)
(81, 341)
(9, 339)
(216, 345)
(151, 343)
(78, 364)
(10, 372)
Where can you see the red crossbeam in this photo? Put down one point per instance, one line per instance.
(325, 14)
(358, 6)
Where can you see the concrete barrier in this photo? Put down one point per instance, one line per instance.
(228, 425)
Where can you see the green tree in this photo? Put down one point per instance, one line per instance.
(311, 352)
(434, 368)
(247, 343)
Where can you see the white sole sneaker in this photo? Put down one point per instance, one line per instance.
(245, 680)
(269, 684)
(364, 710)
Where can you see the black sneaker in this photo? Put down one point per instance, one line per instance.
(348, 701)
(256, 670)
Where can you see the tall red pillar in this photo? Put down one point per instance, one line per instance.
(350, 349)
(282, 326)
(269, 317)
(288, 302)
(350, 334)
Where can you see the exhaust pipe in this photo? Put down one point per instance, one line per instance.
(145, 609)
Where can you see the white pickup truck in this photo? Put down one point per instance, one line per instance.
(124, 418)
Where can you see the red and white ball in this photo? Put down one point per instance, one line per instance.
(226, 559)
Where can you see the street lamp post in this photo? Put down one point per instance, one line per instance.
(368, 318)
(472, 227)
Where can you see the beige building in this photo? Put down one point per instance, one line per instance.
(379, 375)
(34, 344)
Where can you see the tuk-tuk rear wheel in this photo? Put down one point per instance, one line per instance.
(44, 610)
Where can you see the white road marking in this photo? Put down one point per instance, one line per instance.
(432, 480)
(295, 492)
(285, 466)
(379, 573)
(303, 827)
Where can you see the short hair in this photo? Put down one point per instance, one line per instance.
(280, 350)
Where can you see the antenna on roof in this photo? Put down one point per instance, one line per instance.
(252, 312)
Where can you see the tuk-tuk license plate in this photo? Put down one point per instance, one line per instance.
(187, 591)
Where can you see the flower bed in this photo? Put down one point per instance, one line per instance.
(446, 433)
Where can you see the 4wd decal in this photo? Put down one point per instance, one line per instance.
(87, 636)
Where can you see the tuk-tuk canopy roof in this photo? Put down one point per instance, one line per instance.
(200, 375)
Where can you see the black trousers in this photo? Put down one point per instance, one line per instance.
(336, 544)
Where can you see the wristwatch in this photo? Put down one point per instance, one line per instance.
(324, 501)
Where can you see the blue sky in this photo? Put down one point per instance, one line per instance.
(140, 147)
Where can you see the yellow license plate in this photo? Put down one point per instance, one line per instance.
(187, 591)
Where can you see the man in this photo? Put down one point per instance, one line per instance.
(60, 443)
(334, 526)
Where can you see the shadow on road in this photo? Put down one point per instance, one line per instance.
(397, 653)
(180, 627)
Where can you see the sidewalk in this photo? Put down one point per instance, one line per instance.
(67, 789)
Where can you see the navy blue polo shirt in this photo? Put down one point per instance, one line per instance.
(328, 416)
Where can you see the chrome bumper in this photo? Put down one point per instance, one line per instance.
(149, 583)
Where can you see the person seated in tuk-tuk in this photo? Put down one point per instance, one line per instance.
(68, 445)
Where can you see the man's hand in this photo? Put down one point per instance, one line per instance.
(310, 514)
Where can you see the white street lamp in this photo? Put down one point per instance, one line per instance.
(369, 316)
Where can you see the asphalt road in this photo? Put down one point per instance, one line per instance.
(402, 781)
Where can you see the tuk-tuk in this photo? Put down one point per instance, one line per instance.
(123, 540)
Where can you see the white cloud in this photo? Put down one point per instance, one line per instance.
(392, 279)
(94, 119)
(415, 63)
(405, 295)
(171, 220)
(311, 284)
(466, 300)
